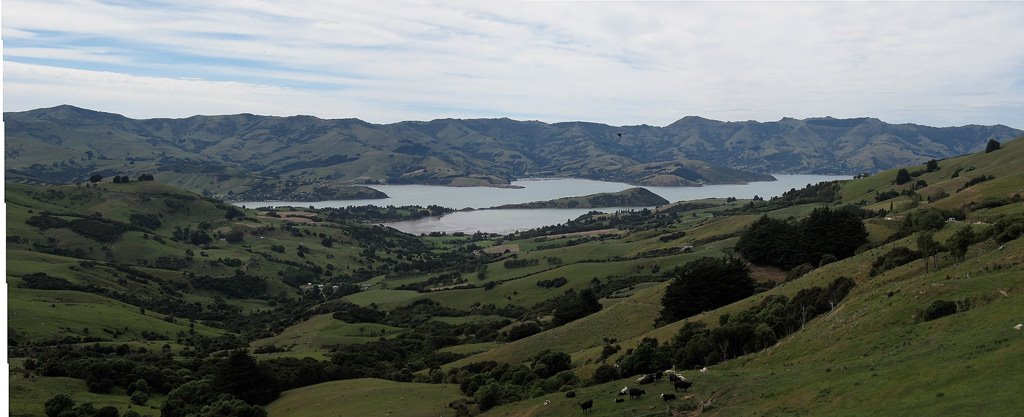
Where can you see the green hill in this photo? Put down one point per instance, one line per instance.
(113, 283)
(633, 197)
(249, 157)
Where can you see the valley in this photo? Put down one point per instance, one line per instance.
(831, 299)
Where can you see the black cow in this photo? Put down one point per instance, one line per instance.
(668, 397)
(684, 384)
(673, 378)
(619, 400)
(586, 405)
(636, 393)
(570, 394)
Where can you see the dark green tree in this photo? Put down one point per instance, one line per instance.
(584, 304)
(58, 404)
(929, 247)
(959, 242)
(902, 176)
(232, 407)
(771, 242)
(548, 363)
(96, 178)
(704, 285)
(234, 236)
(240, 376)
(992, 145)
(605, 373)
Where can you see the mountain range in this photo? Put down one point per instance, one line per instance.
(246, 156)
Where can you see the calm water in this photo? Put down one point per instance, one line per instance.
(508, 221)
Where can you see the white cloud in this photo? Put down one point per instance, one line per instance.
(620, 63)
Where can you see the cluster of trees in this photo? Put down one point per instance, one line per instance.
(234, 385)
(822, 192)
(521, 263)
(703, 285)
(375, 214)
(572, 306)
(746, 332)
(100, 230)
(787, 244)
(492, 384)
(198, 236)
(552, 283)
(240, 285)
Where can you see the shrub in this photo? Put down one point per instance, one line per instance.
(234, 236)
(139, 398)
(605, 373)
(892, 259)
(938, 309)
(800, 271)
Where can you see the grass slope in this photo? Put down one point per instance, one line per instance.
(366, 397)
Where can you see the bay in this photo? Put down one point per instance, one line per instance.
(537, 189)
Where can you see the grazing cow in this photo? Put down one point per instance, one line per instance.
(674, 377)
(619, 400)
(624, 391)
(658, 375)
(586, 405)
(684, 384)
(636, 393)
(570, 394)
(668, 397)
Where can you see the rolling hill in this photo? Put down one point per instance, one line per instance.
(249, 156)
(143, 280)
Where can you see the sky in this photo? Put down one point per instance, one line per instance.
(621, 63)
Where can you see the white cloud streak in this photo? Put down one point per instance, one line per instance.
(613, 62)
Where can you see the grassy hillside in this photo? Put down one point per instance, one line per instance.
(144, 280)
(366, 397)
(874, 345)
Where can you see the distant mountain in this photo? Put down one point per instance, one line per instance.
(235, 153)
(633, 197)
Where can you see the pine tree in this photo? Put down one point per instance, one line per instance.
(902, 176)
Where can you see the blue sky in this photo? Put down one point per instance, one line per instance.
(620, 63)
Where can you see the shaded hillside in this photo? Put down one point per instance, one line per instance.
(218, 154)
(633, 197)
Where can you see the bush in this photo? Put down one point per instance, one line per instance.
(892, 259)
(605, 373)
(234, 236)
(938, 309)
(58, 404)
(139, 398)
(522, 330)
(800, 271)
